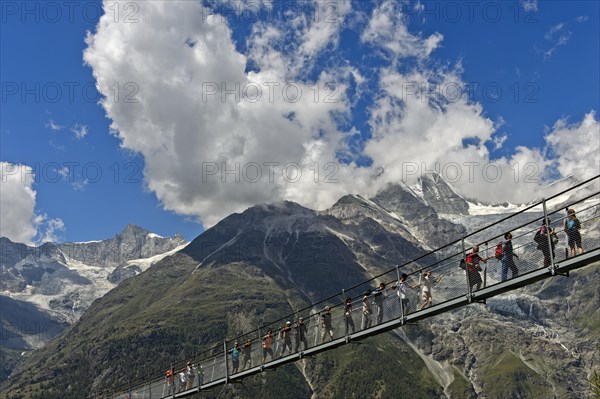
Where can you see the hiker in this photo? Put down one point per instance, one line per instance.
(267, 342)
(572, 227)
(426, 296)
(402, 295)
(348, 315)
(190, 375)
(541, 237)
(378, 297)
(300, 328)
(200, 372)
(367, 311)
(170, 381)
(473, 267)
(508, 256)
(235, 357)
(326, 324)
(286, 337)
(247, 351)
(182, 380)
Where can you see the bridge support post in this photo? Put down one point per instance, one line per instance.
(226, 365)
(552, 267)
(402, 319)
(261, 351)
(345, 317)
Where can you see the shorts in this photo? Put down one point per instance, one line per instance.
(426, 294)
(574, 238)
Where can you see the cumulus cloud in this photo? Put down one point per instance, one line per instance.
(417, 132)
(49, 230)
(576, 147)
(217, 136)
(18, 219)
(205, 126)
(387, 29)
(17, 198)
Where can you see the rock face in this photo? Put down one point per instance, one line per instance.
(440, 196)
(263, 264)
(123, 272)
(57, 283)
(421, 219)
(133, 242)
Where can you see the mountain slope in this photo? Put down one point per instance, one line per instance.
(47, 288)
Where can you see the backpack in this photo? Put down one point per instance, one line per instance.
(463, 264)
(570, 224)
(499, 252)
(539, 238)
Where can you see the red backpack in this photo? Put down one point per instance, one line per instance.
(499, 252)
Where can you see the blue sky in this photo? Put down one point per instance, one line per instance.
(531, 69)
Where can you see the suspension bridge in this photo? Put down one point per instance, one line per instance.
(451, 287)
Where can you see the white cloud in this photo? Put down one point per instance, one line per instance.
(18, 219)
(80, 185)
(49, 230)
(184, 133)
(325, 29)
(576, 147)
(499, 141)
(582, 18)
(558, 36)
(529, 5)
(17, 203)
(80, 131)
(387, 29)
(205, 133)
(54, 126)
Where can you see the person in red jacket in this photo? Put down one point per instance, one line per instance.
(473, 267)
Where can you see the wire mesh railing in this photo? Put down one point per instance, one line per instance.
(443, 275)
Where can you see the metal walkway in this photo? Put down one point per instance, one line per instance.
(451, 287)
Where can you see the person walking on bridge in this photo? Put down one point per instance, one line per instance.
(378, 298)
(402, 293)
(572, 227)
(348, 315)
(267, 342)
(473, 267)
(235, 357)
(425, 286)
(541, 237)
(367, 311)
(169, 381)
(300, 328)
(326, 324)
(247, 351)
(286, 337)
(508, 261)
(190, 375)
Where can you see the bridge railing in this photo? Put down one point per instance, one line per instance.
(364, 306)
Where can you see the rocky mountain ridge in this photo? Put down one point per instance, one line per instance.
(44, 289)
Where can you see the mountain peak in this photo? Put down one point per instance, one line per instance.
(134, 229)
(441, 196)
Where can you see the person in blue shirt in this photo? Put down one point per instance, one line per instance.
(572, 227)
(235, 357)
